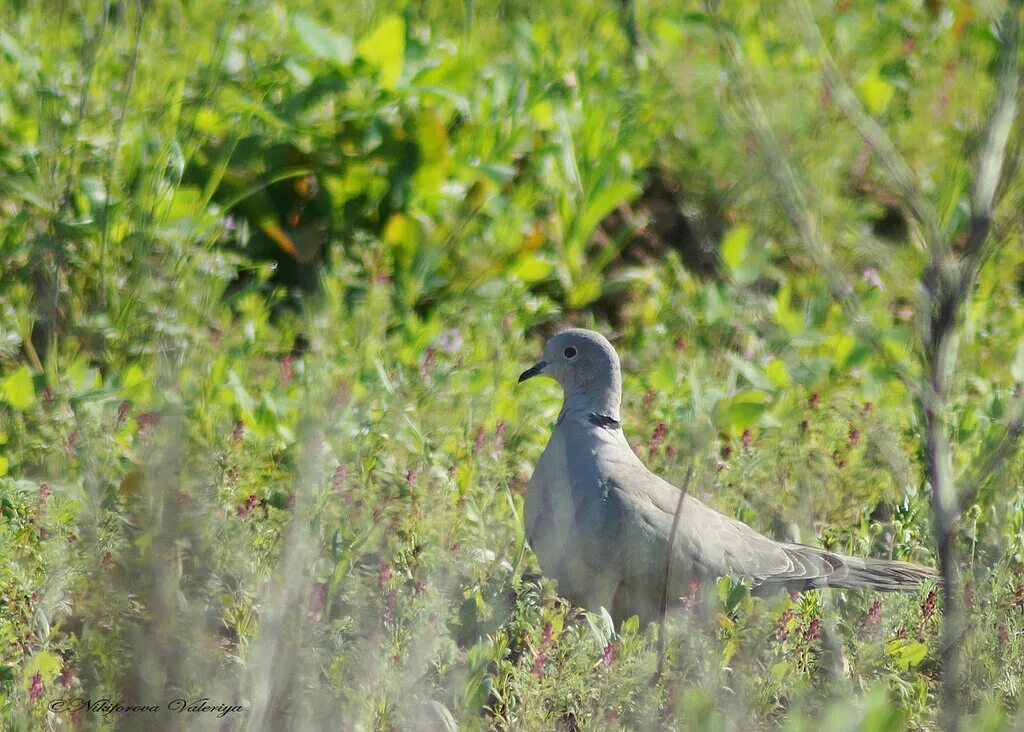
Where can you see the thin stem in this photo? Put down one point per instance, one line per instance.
(797, 210)
(898, 171)
(108, 174)
(663, 608)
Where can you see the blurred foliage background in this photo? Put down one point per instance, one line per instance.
(268, 271)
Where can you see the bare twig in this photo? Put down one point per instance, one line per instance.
(948, 286)
(663, 609)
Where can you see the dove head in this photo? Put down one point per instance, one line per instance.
(586, 366)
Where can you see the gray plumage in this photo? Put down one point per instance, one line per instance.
(599, 521)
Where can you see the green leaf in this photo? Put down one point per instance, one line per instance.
(734, 247)
(780, 670)
(4, 463)
(743, 409)
(532, 269)
(322, 42)
(444, 717)
(384, 48)
(664, 376)
(777, 372)
(601, 203)
(737, 593)
(876, 92)
(601, 636)
(787, 316)
(906, 653)
(585, 291)
(19, 391)
(46, 664)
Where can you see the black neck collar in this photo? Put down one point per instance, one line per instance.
(603, 420)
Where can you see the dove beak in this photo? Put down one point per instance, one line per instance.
(537, 368)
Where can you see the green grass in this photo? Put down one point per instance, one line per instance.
(299, 489)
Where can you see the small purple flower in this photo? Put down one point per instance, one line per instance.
(870, 275)
(450, 340)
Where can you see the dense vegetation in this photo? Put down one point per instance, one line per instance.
(269, 271)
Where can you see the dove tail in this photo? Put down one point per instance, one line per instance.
(813, 568)
(885, 575)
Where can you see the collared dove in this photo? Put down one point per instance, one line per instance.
(599, 521)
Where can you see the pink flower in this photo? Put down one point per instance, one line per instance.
(389, 615)
(538, 665)
(250, 503)
(656, 438)
(338, 481)
(875, 614)
(541, 659)
(782, 625)
(813, 629)
(36, 689)
(316, 601)
(928, 606)
(608, 655)
(499, 435)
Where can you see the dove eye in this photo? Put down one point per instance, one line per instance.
(569, 352)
